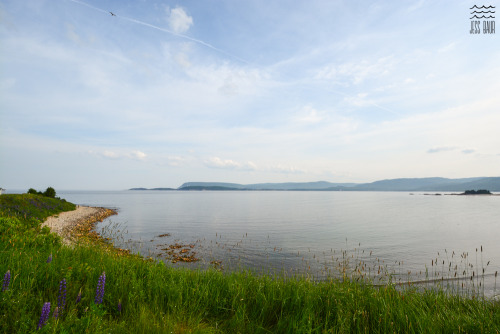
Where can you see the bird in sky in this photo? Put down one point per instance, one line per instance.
(112, 14)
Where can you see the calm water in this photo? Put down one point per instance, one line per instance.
(316, 233)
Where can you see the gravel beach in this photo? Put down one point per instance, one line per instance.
(65, 222)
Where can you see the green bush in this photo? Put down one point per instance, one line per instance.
(49, 192)
(33, 191)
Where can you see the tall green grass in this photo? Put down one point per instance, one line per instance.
(156, 298)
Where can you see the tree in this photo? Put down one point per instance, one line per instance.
(50, 192)
(33, 191)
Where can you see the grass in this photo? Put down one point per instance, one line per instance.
(156, 298)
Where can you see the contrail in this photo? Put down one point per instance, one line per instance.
(368, 102)
(164, 30)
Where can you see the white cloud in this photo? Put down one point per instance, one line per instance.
(229, 88)
(71, 34)
(178, 20)
(182, 59)
(138, 155)
(416, 6)
(309, 115)
(283, 169)
(447, 48)
(451, 148)
(441, 149)
(216, 162)
(219, 163)
(108, 154)
(176, 161)
(356, 72)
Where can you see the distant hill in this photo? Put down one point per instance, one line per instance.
(427, 184)
(320, 185)
(152, 189)
(403, 184)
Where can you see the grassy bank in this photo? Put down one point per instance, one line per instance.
(146, 297)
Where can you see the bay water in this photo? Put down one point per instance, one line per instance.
(381, 235)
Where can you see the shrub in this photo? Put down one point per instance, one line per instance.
(50, 192)
(33, 191)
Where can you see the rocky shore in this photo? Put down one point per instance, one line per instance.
(73, 224)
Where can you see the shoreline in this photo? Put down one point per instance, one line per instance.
(71, 225)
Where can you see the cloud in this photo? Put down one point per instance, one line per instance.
(447, 48)
(109, 154)
(71, 34)
(228, 164)
(286, 169)
(450, 148)
(178, 20)
(138, 155)
(441, 149)
(113, 155)
(355, 73)
(310, 115)
(416, 6)
(229, 88)
(176, 161)
(182, 59)
(216, 162)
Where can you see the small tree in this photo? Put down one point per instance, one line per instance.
(33, 191)
(50, 192)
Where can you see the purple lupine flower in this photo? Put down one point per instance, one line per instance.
(49, 260)
(119, 306)
(45, 315)
(6, 281)
(99, 293)
(79, 297)
(61, 299)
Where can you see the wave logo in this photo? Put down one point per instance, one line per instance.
(484, 13)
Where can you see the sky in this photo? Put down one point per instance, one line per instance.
(167, 92)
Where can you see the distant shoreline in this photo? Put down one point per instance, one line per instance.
(462, 194)
(429, 184)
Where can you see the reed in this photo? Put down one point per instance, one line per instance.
(153, 297)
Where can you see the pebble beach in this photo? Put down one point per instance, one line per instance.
(67, 223)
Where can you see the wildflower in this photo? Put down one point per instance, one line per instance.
(61, 299)
(119, 306)
(79, 297)
(99, 293)
(45, 315)
(49, 260)
(6, 281)
(56, 313)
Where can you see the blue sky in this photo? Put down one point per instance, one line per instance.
(167, 92)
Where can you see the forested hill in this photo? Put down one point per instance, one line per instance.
(402, 184)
